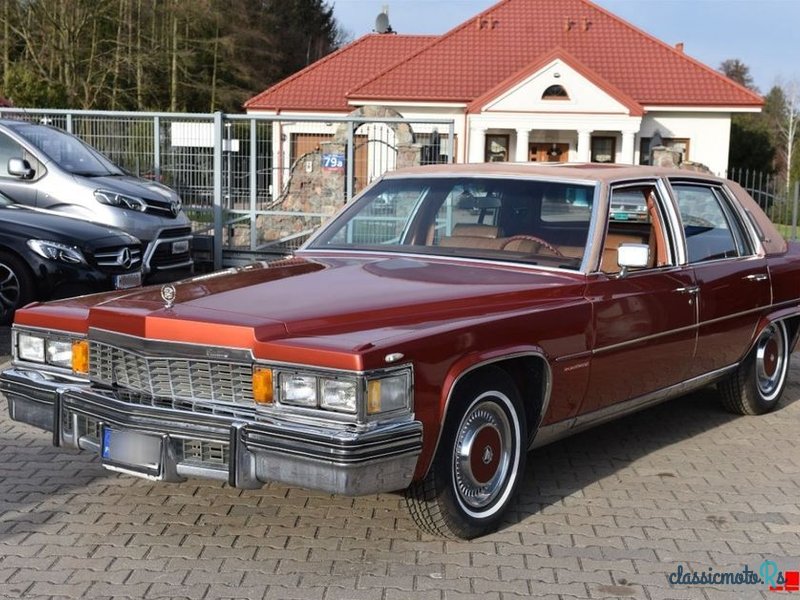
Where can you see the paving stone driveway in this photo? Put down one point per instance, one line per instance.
(606, 514)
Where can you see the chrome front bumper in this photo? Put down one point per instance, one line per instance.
(245, 453)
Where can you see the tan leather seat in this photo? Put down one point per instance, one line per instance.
(473, 235)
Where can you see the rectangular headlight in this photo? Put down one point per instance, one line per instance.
(339, 395)
(30, 347)
(59, 353)
(298, 390)
(388, 394)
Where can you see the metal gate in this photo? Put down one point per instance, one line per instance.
(235, 173)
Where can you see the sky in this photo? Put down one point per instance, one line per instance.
(763, 34)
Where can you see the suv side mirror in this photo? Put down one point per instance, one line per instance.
(21, 168)
(632, 256)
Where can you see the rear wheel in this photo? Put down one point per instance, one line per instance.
(756, 386)
(479, 462)
(16, 286)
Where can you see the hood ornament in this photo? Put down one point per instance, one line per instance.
(168, 294)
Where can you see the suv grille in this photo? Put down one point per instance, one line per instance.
(160, 207)
(194, 385)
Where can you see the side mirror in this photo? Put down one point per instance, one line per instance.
(632, 256)
(20, 168)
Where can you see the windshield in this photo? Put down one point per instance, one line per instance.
(67, 151)
(524, 220)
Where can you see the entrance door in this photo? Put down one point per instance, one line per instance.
(538, 152)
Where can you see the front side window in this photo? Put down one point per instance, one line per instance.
(519, 220)
(710, 226)
(636, 216)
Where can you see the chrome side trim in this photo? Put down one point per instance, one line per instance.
(545, 401)
(562, 429)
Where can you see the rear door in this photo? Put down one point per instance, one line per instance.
(733, 279)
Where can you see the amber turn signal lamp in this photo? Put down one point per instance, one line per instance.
(80, 356)
(262, 385)
(373, 396)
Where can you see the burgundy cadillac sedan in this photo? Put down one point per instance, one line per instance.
(434, 331)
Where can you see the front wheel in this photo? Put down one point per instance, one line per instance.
(756, 386)
(479, 462)
(16, 286)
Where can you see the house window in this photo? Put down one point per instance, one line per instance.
(604, 149)
(496, 149)
(679, 144)
(555, 92)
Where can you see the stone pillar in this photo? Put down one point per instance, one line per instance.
(477, 144)
(585, 145)
(628, 154)
(522, 145)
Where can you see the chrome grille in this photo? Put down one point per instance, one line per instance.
(206, 453)
(115, 257)
(194, 384)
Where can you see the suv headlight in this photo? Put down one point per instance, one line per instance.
(57, 350)
(120, 200)
(57, 251)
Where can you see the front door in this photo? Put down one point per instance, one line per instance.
(644, 325)
(539, 152)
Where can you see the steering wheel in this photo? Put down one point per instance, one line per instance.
(544, 244)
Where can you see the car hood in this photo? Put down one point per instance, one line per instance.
(317, 297)
(30, 223)
(134, 186)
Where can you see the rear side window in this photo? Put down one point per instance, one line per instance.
(711, 227)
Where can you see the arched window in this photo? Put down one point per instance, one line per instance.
(555, 92)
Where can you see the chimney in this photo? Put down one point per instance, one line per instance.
(679, 47)
(568, 23)
(585, 24)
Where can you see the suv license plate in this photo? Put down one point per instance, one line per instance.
(180, 247)
(137, 451)
(128, 280)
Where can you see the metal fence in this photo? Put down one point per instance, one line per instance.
(771, 194)
(235, 172)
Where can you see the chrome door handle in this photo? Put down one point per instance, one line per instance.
(692, 289)
(756, 277)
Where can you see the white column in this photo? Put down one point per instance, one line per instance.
(522, 145)
(584, 145)
(627, 147)
(477, 144)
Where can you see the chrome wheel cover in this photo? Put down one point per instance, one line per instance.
(485, 454)
(771, 361)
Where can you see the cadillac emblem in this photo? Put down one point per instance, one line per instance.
(168, 295)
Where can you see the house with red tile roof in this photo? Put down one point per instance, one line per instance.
(531, 80)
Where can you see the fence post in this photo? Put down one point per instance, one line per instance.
(253, 183)
(350, 157)
(157, 147)
(69, 122)
(218, 133)
(794, 209)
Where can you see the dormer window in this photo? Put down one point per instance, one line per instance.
(555, 92)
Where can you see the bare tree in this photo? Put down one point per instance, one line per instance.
(787, 127)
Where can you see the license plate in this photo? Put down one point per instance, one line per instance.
(128, 280)
(137, 451)
(180, 247)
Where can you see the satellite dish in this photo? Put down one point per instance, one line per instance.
(382, 23)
